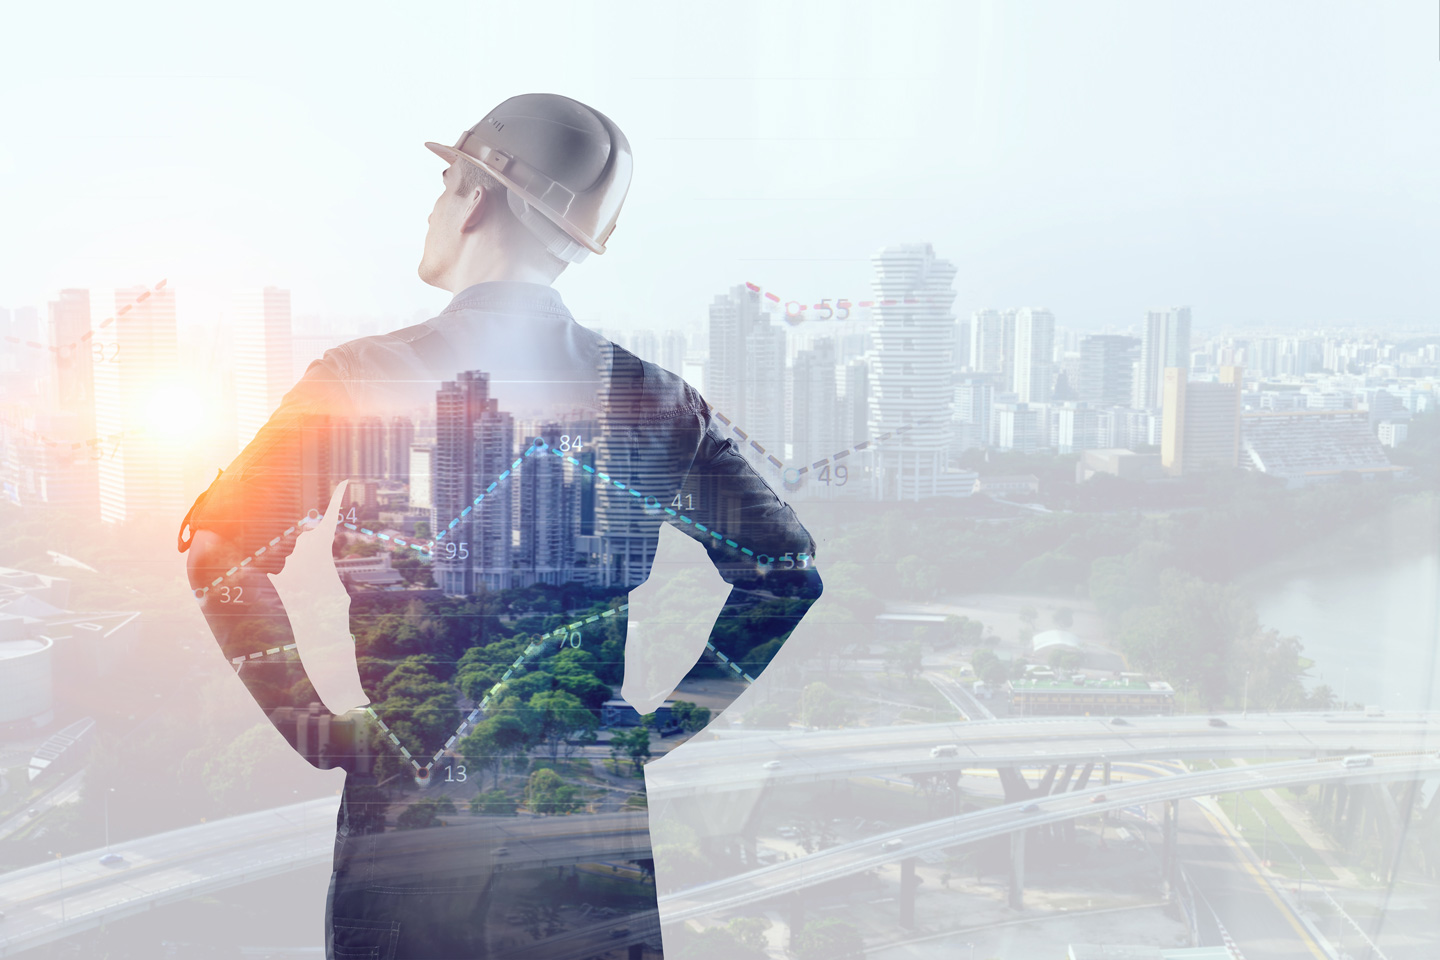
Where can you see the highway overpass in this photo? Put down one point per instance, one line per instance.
(792, 876)
(735, 761)
(60, 898)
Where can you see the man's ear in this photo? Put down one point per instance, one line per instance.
(475, 212)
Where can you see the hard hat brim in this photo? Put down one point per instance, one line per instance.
(450, 154)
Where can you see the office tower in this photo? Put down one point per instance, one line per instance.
(992, 345)
(1166, 343)
(911, 375)
(672, 352)
(263, 357)
(67, 477)
(1034, 354)
(960, 353)
(1017, 427)
(763, 395)
(369, 449)
(973, 411)
(854, 419)
(548, 517)
(72, 370)
(136, 380)
(815, 405)
(422, 456)
(1201, 422)
(474, 444)
(1106, 375)
(343, 462)
(1074, 427)
(399, 437)
(733, 317)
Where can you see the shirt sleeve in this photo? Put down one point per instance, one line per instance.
(734, 511)
(283, 474)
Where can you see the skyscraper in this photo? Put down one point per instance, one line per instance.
(911, 373)
(1034, 354)
(73, 369)
(745, 375)
(263, 356)
(814, 404)
(1166, 344)
(1201, 428)
(973, 411)
(474, 444)
(1107, 364)
(136, 379)
(548, 517)
(992, 345)
(399, 437)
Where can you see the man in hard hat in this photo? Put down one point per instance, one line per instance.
(553, 458)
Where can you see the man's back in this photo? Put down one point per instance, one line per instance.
(505, 473)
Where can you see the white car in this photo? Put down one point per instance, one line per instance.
(771, 764)
(945, 750)
(894, 843)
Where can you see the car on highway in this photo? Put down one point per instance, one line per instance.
(894, 843)
(1120, 721)
(945, 750)
(1358, 760)
(112, 859)
(771, 764)
(1217, 722)
(1098, 798)
(619, 932)
(1030, 808)
(502, 851)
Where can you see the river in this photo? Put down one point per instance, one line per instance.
(1371, 630)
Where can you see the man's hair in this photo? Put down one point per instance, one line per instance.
(472, 177)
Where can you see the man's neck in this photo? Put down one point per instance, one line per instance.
(485, 266)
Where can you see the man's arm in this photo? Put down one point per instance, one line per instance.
(758, 546)
(245, 526)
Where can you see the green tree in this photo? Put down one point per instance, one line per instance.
(768, 716)
(1064, 618)
(492, 803)
(1028, 615)
(560, 716)
(907, 658)
(424, 813)
(547, 793)
(822, 707)
(691, 717)
(829, 939)
(633, 743)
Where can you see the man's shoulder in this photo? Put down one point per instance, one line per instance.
(652, 391)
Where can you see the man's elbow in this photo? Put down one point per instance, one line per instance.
(209, 557)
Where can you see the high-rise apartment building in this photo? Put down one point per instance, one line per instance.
(1201, 428)
(1166, 344)
(1034, 354)
(815, 404)
(1107, 366)
(474, 444)
(733, 316)
(911, 370)
(992, 346)
(263, 357)
(973, 412)
(136, 380)
(1017, 427)
(548, 517)
(854, 415)
(399, 438)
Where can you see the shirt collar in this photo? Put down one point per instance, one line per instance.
(509, 296)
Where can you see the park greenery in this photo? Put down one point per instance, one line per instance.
(1168, 584)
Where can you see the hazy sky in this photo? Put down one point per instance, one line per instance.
(1262, 162)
